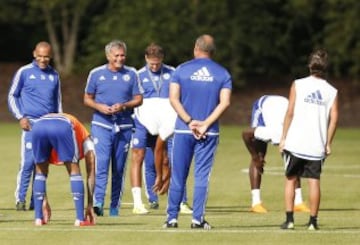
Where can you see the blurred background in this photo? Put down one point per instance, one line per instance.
(264, 44)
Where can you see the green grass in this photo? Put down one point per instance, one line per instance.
(227, 208)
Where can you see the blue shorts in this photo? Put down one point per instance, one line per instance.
(57, 134)
(141, 137)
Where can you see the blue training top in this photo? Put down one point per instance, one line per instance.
(34, 92)
(201, 81)
(111, 87)
(156, 84)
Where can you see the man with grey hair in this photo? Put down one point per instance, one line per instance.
(113, 91)
(200, 92)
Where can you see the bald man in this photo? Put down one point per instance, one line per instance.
(200, 92)
(34, 92)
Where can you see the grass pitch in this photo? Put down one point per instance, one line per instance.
(227, 207)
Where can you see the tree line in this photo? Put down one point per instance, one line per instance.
(264, 39)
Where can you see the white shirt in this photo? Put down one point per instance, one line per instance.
(307, 134)
(272, 109)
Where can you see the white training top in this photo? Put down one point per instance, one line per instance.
(307, 134)
(268, 117)
(158, 116)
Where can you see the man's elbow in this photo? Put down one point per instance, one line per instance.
(225, 104)
(334, 120)
(86, 101)
(138, 101)
(172, 101)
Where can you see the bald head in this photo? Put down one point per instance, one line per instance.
(43, 44)
(42, 54)
(204, 46)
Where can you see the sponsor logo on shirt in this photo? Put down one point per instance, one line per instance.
(202, 75)
(314, 98)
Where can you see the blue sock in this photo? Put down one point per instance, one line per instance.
(39, 191)
(77, 189)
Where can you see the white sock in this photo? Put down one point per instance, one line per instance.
(136, 192)
(255, 197)
(298, 196)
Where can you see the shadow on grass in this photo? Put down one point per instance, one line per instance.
(250, 226)
(245, 209)
(339, 209)
(228, 209)
(345, 228)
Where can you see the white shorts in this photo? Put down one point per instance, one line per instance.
(268, 133)
(158, 116)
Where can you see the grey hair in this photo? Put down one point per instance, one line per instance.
(115, 44)
(206, 44)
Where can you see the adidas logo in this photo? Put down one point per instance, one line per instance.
(314, 98)
(202, 75)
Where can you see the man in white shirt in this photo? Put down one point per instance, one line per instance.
(309, 128)
(267, 119)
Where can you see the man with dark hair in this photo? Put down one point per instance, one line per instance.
(309, 128)
(154, 124)
(267, 119)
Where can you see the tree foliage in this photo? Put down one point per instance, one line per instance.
(343, 36)
(62, 21)
(265, 39)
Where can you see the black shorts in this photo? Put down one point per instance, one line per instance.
(295, 166)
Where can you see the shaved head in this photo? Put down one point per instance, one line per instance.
(43, 44)
(42, 54)
(206, 43)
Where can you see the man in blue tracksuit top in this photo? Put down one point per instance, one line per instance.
(155, 117)
(154, 78)
(112, 90)
(34, 92)
(200, 91)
